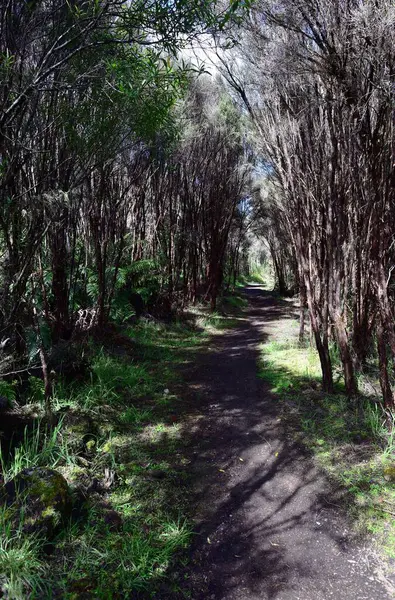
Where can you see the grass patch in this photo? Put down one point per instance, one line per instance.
(234, 302)
(21, 565)
(349, 440)
(121, 444)
(40, 447)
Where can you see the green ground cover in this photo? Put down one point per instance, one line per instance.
(121, 441)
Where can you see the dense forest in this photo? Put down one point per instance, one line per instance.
(152, 154)
(112, 164)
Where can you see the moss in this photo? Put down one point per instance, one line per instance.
(41, 499)
(389, 473)
(48, 512)
(90, 445)
(48, 485)
(107, 447)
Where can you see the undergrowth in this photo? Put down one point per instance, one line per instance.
(348, 438)
(122, 428)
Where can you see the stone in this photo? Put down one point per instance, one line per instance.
(389, 473)
(81, 430)
(39, 500)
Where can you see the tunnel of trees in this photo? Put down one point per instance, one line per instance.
(148, 148)
(123, 161)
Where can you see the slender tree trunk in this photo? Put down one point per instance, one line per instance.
(346, 358)
(385, 384)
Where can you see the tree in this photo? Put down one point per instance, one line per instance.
(322, 105)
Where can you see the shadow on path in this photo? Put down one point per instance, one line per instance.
(268, 527)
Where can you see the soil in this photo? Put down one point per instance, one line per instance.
(270, 526)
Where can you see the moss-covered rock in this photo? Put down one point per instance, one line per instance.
(389, 473)
(39, 500)
(79, 429)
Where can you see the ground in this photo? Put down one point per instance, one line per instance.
(270, 525)
(212, 429)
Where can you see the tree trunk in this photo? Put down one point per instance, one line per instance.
(346, 358)
(385, 384)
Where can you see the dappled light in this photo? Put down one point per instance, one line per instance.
(197, 300)
(269, 524)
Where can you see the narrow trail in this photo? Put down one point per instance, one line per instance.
(269, 527)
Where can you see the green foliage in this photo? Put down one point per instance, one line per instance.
(142, 277)
(149, 85)
(110, 377)
(87, 289)
(134, 416)
(21, 566)
(34, 341)
(36, 389)
(285, 365)
(8, 389)
(234, 301)
(125, 417)
(40, 447)
(257, 277)
(134, 558)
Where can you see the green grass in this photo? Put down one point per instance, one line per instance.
(39, 447)
(349, 439)
(105, 564)
(258, 277)
(262, 275)
(125, 419)
(21, 566)
(235, 302)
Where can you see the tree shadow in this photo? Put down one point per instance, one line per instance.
(267, 520)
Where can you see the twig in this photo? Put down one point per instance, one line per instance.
(20, 371)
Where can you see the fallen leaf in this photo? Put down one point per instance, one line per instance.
(221, 470)
(241, 459)
(208, 540)
(276, 454)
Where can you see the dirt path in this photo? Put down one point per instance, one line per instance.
(268, 525)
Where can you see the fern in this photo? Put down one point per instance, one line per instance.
(8, 390)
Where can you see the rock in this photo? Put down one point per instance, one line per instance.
(81, 431)
(105, 513)
(389, 473)
(42, 496)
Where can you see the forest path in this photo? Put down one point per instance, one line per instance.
(268, 524)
